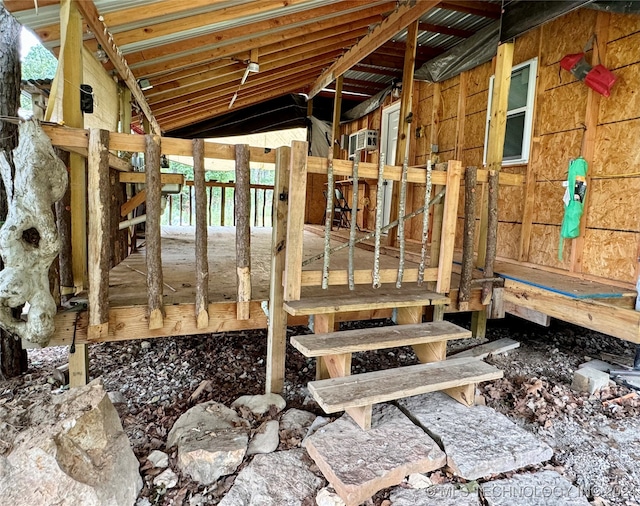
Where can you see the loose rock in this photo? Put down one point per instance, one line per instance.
(359, 463)
(158, 458)
(260, 404)
(276, 479)
(166, 479)
(438, 495)
(266, 439)
(419, 481)
(297, 421)
(327, 497)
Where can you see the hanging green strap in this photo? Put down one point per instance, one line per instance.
(576, 190)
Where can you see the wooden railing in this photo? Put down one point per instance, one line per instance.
(180, 210)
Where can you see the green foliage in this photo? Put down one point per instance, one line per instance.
(39, 64)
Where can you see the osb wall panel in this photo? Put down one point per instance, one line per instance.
(508, 239)
(510, 203)
(449, 83)
(424, 111)
(544, 247)
(447, 135)
(417, 201)
(548, 207)
(449, 103)
(623, 51)
(316, 203)
(474, 129)
(622, 25)
(562, 108)
(552, 76)
(526, 47)
(478, 79)
(624, 102)
(617, 148)
(551, 154)
(567, 34)
(611, 254)
(477, 102)
(472, 157)
(614, 204)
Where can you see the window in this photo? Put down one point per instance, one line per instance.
(519, 113)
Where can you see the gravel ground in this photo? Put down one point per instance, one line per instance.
(596, 438)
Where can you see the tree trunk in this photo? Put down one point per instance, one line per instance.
(13, 359)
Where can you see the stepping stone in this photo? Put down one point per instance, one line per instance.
(359, 463)
(438, 495)
(275, 479)
(546, 488)
(478, 440)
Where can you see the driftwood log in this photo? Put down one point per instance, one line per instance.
(29, 240)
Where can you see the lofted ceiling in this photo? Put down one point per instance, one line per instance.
(195, 52)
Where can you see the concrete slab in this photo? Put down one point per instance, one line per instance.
(546, 488)
(478, 440)
(358, 463)
(438, 495)
(589, 380)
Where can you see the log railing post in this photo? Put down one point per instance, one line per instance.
(449, 222)
(295, 225)
(277, 330)
(202, 259)
(99, 200)
(242, 213)
(152, 231)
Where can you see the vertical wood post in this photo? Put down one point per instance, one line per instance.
(438, 209)
(223, 204)
(295, 225)
(243, 230)
(99, 220)
(497, 130)
(277, 329)
(404, 125)
(202, 258)
(152, 232)
(449, 222)
(464, 295)
(492, 235)
(337, 108)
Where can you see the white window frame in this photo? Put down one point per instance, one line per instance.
(527, 109)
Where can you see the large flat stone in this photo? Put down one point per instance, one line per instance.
(438, 495)
(358, 463)
(546, 488)
(478, 440)
(275, 479)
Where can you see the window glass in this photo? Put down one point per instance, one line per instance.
(514, 136)
(518, 89)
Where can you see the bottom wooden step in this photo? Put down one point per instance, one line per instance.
(340, 394)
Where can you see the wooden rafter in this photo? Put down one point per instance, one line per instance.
(90, 14)
(389, 27)
(197, 50)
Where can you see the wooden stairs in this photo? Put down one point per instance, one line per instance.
(336, 390)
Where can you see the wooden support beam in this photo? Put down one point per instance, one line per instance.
(589, 141)
(202, 257)
(497, 130)
(449, 222)
(102, 34)
(295, 225)
(133, 202)
(390, 26)
(99, 245)
(152, 232)
(277, 330)
(404, 126)
(243, 230)
(492, 235)
(337, 109)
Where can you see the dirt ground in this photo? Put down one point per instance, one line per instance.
(596, 439)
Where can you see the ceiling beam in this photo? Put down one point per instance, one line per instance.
(90, 14)
(229, 42)
(477, 8)
(223, 15)
(351, 97)
(445, 30)
(390, 26)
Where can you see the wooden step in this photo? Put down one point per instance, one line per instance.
(377, 338)
(361, 390)
(342, 300)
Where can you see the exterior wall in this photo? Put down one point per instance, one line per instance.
(530, 216)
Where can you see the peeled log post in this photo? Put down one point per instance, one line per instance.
(492, 235)
(243, 230)
(99, 198)
(202, 258)
(152, 231)
(63, 221)
(464, 294)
